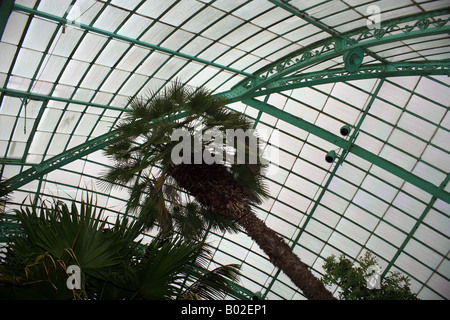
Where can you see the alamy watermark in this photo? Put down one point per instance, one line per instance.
(74, 279)
(374, 20)
(234, 146)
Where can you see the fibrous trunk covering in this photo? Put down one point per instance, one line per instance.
(216, 189)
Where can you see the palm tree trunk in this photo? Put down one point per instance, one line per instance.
(215, 188)
(281, 256)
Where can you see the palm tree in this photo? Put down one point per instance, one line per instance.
(143, 160)
(113, 265)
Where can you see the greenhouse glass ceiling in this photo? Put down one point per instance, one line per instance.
(301, 69)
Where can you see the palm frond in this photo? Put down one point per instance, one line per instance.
(250, 177)
(161, 271)
(211, 284)
(56, 235)
(188, 222)
(114, 266)
(219, 223)
(59, 228)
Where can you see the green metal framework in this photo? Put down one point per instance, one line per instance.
(67, 77)
(422, 25)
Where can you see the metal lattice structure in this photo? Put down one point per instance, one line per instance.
(300, 69)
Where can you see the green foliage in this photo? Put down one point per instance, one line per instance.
(113, 264)
(193, 222)
(142, 155)
(351, 278)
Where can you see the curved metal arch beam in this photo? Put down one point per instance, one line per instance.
(414, 26)
(317, 23)
(372, 71)
(38, 170)
(56, 162)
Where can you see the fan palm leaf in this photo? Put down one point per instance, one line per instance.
(113, 264)
(210, 285)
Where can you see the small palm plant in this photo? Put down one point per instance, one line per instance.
(144, 160)
(113, 264)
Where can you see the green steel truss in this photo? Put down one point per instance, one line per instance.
(371, 71)
(38, 170)
(421, 25)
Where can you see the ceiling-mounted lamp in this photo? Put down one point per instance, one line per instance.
(353, 59)
(345, 130)
(331, 156)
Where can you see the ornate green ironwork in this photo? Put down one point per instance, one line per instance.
(394, 69)
(393, 30)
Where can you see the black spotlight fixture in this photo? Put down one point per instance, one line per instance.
(345, 130)
(353, 59)
(331, 156)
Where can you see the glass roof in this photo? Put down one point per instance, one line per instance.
(301, 69)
